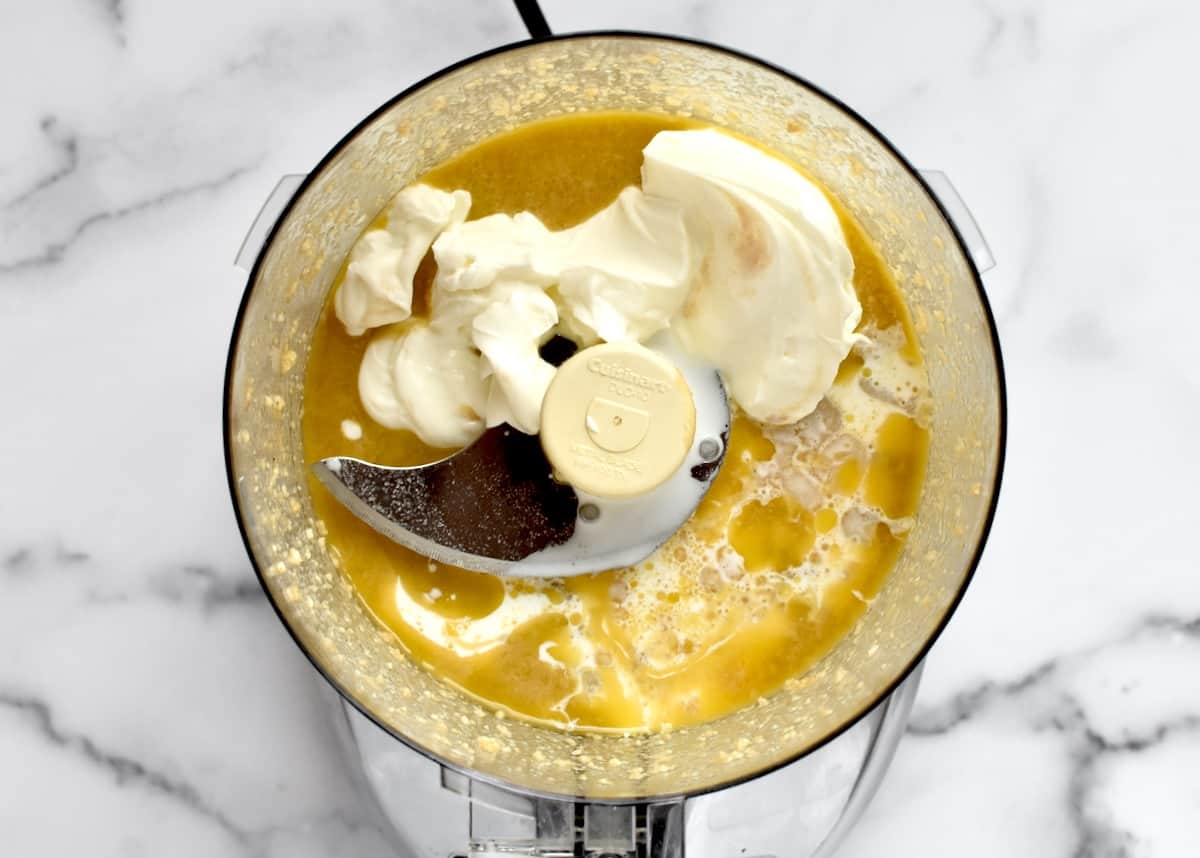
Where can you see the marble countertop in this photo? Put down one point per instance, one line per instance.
(151, 704)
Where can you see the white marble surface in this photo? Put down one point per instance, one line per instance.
(150, 703)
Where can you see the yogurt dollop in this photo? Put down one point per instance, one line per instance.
(426, 380)
(737, 252)
(772, 304)
(377, 289)
(623, 273)
(620, 275)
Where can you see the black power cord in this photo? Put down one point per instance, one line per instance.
(533, 19)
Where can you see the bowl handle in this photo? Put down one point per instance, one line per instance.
(265, 220)
(961, 218)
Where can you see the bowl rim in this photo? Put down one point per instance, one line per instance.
(1001, 390)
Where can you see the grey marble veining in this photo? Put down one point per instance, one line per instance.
(151, 704)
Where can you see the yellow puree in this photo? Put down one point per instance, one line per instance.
(681, 638)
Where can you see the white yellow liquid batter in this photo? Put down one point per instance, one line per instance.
(797, 534)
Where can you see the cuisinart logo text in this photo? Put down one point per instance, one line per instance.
(622, 373)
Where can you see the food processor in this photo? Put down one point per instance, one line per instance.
(786, 776)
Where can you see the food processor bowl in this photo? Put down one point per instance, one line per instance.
(459, 108)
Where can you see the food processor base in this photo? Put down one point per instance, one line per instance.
(804, 809)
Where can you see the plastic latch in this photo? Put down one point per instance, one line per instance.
(964, 221)
(271, 209)
(609, 830)
(506, 823)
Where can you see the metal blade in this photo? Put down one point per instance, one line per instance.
(485, 507)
